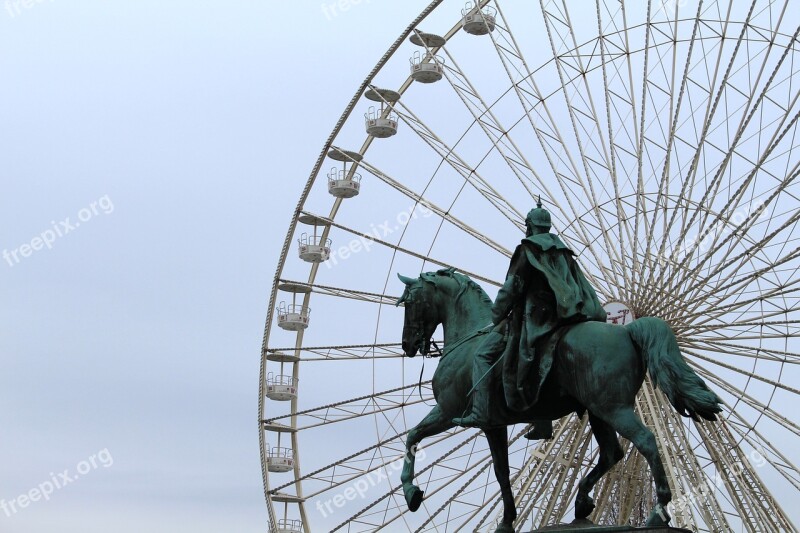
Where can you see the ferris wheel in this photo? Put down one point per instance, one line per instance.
(662, 137)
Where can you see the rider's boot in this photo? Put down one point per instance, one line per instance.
(542, 429)
(479, 417)
(484, 357)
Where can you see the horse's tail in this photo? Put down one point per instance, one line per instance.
(686, 391)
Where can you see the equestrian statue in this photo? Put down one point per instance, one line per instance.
(541, 351)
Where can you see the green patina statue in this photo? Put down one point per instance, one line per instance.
(543, 369)
(544, 290)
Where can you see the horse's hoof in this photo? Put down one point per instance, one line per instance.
(659, 516)
(504, 528)
(414, 498)
(584, 505)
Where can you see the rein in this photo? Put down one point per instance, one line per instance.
(441, 354)
(453, 346)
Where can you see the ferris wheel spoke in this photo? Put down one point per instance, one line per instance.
(456, 222)
(457, 163)
(736, 236)
(612, 158)
(496, 497)
(485, 462)
(586, 125)
(693, 330)
(541, 497)
(470, 438)
(656, 413)
(498, 134)
(640, 207)
(763, 448)
(692, 309)
(663, 191)
(767, 295)
(619, 491)
(382, 459)
(337, 352)
(733, 265)
(352, 469)
(729, 348)
(741, 481)
(358, 407)
(480, 467)
(754, 103)
(353, 294)
(709, 509)
(546, 131)
(731, 206)
(531, 481)
(740, 395)
(745, 319)
(712, 106)
(443, 213)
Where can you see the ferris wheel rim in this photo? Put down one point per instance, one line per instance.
(290, 234)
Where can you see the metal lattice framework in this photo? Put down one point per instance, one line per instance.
(662, 137)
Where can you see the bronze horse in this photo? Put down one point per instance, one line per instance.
(598, 368)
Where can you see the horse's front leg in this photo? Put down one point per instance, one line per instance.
(432, 424)
(498, 444)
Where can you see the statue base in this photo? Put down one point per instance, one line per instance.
(586, 526)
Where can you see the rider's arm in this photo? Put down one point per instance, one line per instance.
(509, 292)
(505, 298)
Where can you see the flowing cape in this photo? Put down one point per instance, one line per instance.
(544, 290)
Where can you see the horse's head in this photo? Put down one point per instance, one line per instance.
(422, 316)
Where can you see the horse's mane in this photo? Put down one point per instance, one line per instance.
(465, 283)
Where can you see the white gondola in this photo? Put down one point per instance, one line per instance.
(293, 317)
(314, 248)
(380, 124)
(477, 21)
(344, 184)
(281, 388)
(280, 460)
(427, 67)
(289, 526)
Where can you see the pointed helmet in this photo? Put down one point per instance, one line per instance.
(538, 217)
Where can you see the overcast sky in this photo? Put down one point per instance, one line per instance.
(152, 155)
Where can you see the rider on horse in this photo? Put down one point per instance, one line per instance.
(544, 290)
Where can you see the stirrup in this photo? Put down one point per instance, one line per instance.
(540, 433)
(471, 421)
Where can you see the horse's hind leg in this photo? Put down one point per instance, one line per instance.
(610, 454)
(432, 424)
(625, 421)
(498, 443)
